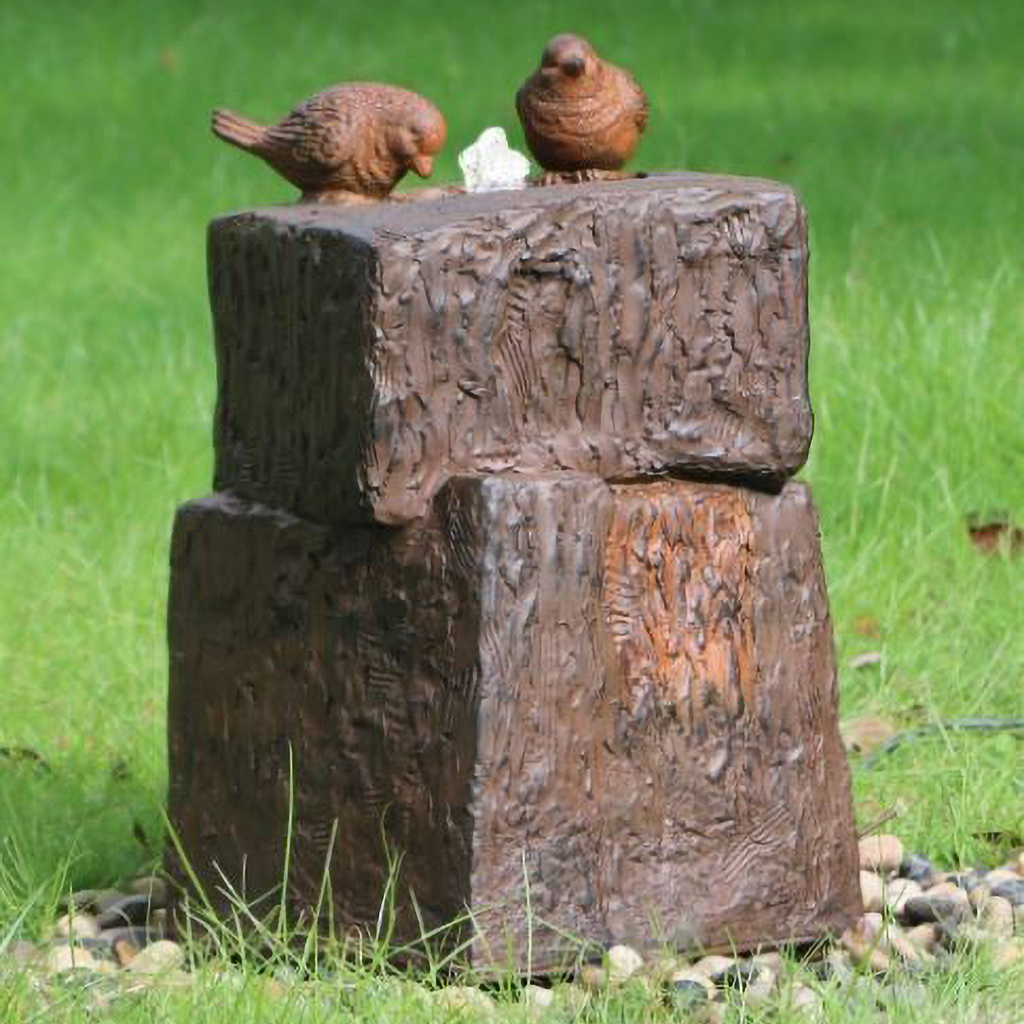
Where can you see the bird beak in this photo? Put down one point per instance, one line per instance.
(422, 165)
(573, 67)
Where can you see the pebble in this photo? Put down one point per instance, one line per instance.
(537, 997)
(127, 910)
(940, 907)
(623, 962)
(754, 981)
(863, 943)
(924, 936)
(872, 891)
(880, 853)
(967, 880)
(897, 892)
(157, 958)
(76, 926)
(155, 890)
(917, 869)
(690, 988)
(804, 1001)
(713, 964)
(465, 997)
(137, 935)
(67, 958)
(996, 916)
(593, 977)
(1012, 891)
(1007, 953)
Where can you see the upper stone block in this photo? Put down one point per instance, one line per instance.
(626, 329)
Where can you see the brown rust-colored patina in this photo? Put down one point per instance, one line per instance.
(625, 329)
(576, 708)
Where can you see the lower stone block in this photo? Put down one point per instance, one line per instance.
(575, 709)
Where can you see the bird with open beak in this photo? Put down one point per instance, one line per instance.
(346, 143)
(580, 113)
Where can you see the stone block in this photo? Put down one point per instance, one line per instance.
(627, 330)
(573, 708)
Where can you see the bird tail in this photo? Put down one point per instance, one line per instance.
(238, 131)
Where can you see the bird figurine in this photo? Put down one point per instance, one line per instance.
(582, 116)
(347, 143)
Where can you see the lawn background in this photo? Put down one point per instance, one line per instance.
(902, 126)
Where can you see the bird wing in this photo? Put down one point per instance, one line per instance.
(319, 133)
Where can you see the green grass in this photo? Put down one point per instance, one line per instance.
(900, 124)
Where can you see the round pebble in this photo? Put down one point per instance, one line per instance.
(995, 915)
(155, 890)
(1007, 953)
(688, 988)
(754, 981)
(536, 996)
(917, 869)
(1012, 891)
(76, 926)
(804, 1001)
(897, 892)
(67, 958)
(158, 957)
(863, 943)
(623, 962)
(880, 853)
(872, 891)
(125, 911)
(713, 964)
(465, 997)
(940, 907)
(924, 936)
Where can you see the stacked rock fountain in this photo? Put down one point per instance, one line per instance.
(504, 572)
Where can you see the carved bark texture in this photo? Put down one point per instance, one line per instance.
(623, 696)
(629, 329)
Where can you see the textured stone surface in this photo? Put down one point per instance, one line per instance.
(624, 694)
(623, 329)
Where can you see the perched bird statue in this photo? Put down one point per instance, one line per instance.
(347, 143)
(580, 113)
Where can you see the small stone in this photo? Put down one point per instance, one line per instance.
(838, 965)
(997, 875)
(713, 964)
(917, 869)
(772, 960)
(155, 890)
(22, 951)
(863, 735)
(880, 853)
(924, 937)
(465, 997)
(1017, 864)
(124, 951)
(689, 988)
(1012, 891)
(753, 980)
(623, 962)
(537, 997)
(1007, 953)
(138, 936)
(863, 943)
(804, 1001)
(996, 916)
(80, 899)
(67, 958)
(967, 880)
(897, 892)
(161, 956)
(593, 977)
(127, 910)
(104, 899)
(895, 940)
(940, 907)
(872, 891)
(76, 926)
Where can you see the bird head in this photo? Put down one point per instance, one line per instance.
(419, 138)
(567, 57)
